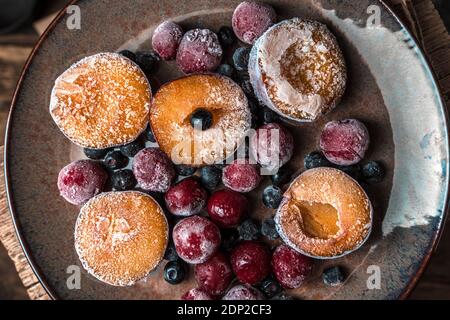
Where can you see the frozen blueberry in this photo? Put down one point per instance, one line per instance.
(130, 149)
(210, 176)
(240, 58)
(174, 272)
(268, 116)
(95, 154)
(315, 160)
(229, 238)
(226, 70)
(128, 54)
(226, 36)
(268, 229)
(149, 134)
(353, 171)
(122, 180)
(184, 170)
(115, 160)
(373, 172)
(272, 196)
(247, 88)
(147, 61)
(333, 276)
(270, 287)
(171, 253)
(248, 230)
(201, 118)
(282, 177)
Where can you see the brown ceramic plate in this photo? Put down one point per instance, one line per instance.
(391, 89)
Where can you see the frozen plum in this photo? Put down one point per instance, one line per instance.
(241, 176)
(186, 198)
(166, 39)
(242, 292)
(215, 275)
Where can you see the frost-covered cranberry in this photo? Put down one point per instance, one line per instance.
(196, 294)
(251, 19)
(166, 39)
(227, 208)
(215, 275)
(199, 51)
(186, 198)
(241, 292)
(250, 261)
(241, 176)
(81, 180)
(344, 142)
(153, 170)
(290, 267)
(196, 239)
(272, 146)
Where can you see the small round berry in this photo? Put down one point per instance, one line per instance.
(153, 170)
(241, 176)
(268, 116)
(229, 237)
(81, 180)
(174, 272)
(201, 119)
(132, 148)
(128, 54)
(316, 159)
(147, 61)
(242, 292)
(240, 58)
(247, 88)
(282, 177)
(215, 275)
(122, 180)
(344, 142)
(290, 267)
(95, 154)
(250, 261)
(166, 39)
(226, 36)
(227, 208)
(251, 19)
(184, 170)
(196, 294)
(272, 196)
(248, 230)
(210, 177)
(196, 239)
(333, 276)
(269, 230)
(149, 134)
(373, 172)
(171, 253)
(199, 51)
(186, 198)
(353, 170)
(115, 160)
(270, 287)
(226, 70)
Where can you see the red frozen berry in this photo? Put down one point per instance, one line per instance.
(242, 292)
(344, 142)
(272, 146)
(250, 261)
(166, 39)
(186, 198)
(241, 176)
(199, 51)
(153, 170)
(196, 239)
(290, 267)
(251, 19)
(215, 275)
(227, 208)
(196, 294)
(81, 180)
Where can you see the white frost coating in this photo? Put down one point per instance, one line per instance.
(420, 180)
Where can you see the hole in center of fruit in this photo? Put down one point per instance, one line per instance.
(319, 219)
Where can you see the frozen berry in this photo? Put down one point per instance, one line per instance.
(240, 58)
(315, 160)
(149, 134)
(199, 51)
(282, 176)
(196, 239)
(171, 253)
(229, 237)
(147, 61)
(174, 271)
(248, 230)
(227, 208)
(344, 142)
(184, 170)
(210, 177)
(201, 119)
(186, 198)
(268, 116)
(251, 19)
(81, 180)
(272, 196)
(215, 275)
(373, 172)
(226, 36)
(241, 176)
(272, 146)
(132, 148)
(122, 180)
(95, 154)
(226, 70)
(353, 170)
(290, 267)
(196, 294)
(153, 170)
(333, 276)
(247, 88)
(270, 287)
(250, 261)
(115, 160)
(242, 292)
(269, 230)
(128, 54)
(166, 39)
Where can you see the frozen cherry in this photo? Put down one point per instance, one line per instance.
(166, 39)
(81, 180)
(199, 51)
(242, 292)
(241, 176)
(290, 267)
(344, 142)
(215, 275)
(227, 208)
(196, 239)
(196, 294)
(186, 198)
(272, 146)
(153, 170)
(250, 261)
(251, 19)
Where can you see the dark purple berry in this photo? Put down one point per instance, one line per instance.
(225, 70)
(95, 154)
(123, 180)
(147, 61)
(226, 36)
(210, 177)
(248, 230)
(282, 177)
(373, 172)
(115, 160)
(272, 197)
(174, 272)
(333, 276)
(184, 170)
(270, 287)
(132, 148)
(128, 54)
(269, 230)
(240, 58)
(315, 160)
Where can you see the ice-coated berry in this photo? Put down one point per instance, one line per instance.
(290, 267)
(153, 170)
(373, 172)
(227, 208)
(247, 88)
(230, 237)
(166, 39)
(251, 19)
(215, 275)
(316, 159)
(269, 230)
(196, 294)
(201, 119)
(147, 61)
(242, 292)
(174, 272)
(128, 54)
(282, 177)
(226, 36)
(199, 51)
(250, 261)
(270, 287)
(333, 276)
(226, 70)
(196, 239)
(81, 180)
(149, 134)
(184, 170)
(241, 176)
(272, 196)
(186, 198)
(210, 177)
(95, 154)
(122, 180)
(344, 142)
(132, 148)
(353, 170)
(268, 116)
(248, 230)
(171, 253)
(115, 160)
(240, 58)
